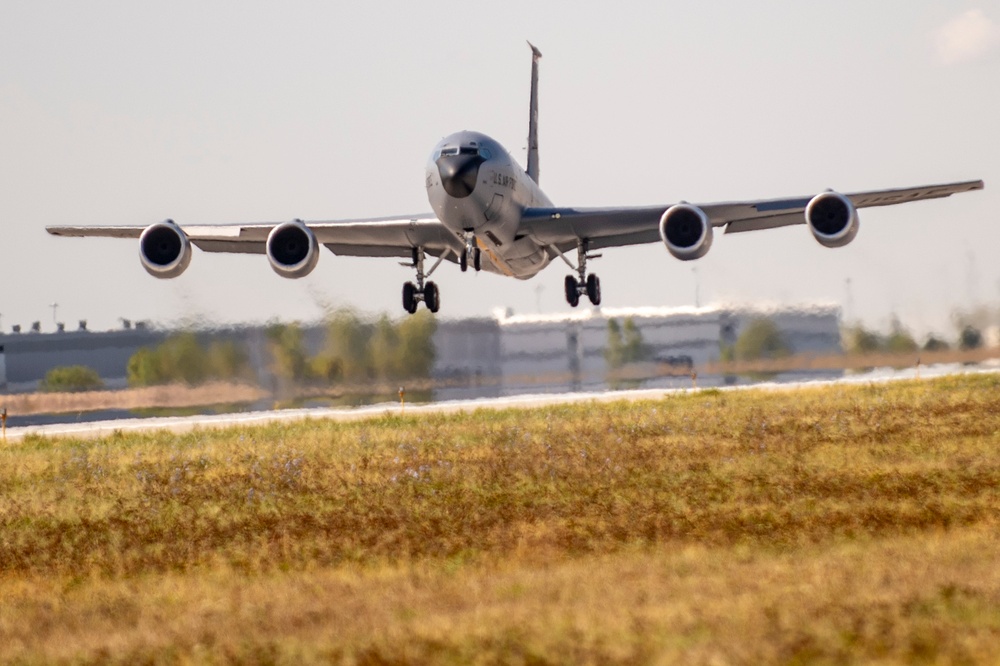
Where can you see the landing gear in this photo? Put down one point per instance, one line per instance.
(572, 291)
(421, 291)
(432, 297)
(410, 297)
(584, 284)
(594, 288)
(471, 255)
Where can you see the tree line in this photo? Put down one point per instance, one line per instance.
(860, 340)
(355, 350)
(181, 358)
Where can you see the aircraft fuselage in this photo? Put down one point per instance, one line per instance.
(475, 186)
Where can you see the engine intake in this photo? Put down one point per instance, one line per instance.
(164, 250)
(686, 231)
(832, 218)
(292, 249)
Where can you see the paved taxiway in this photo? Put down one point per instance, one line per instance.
(180, 424)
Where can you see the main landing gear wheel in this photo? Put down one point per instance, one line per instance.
(586, 284)
(594, 289)
(431, 297)
(410, 297)
(572, 291)
(463, 261)
(422, 291)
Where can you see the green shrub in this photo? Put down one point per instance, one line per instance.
(860, 340)
(359, 351)
(66, 379)
(761, 339)
(970, 338)
(182, 358)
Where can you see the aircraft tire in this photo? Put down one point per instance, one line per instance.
(572, 291)
(410, 297)
(594, 289)
(477, 259)
(463, 261)
(432, 297)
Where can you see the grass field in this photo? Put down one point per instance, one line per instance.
(811, 526)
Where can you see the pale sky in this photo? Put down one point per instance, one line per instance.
(226, 112)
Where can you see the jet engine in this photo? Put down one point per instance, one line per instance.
(164, 249)
(686, 231)
(832, 218)
(292, 249)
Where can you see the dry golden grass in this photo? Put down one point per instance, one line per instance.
(168, 395)
(902, 599)
(829, 525)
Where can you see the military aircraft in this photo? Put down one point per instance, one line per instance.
(490, 214)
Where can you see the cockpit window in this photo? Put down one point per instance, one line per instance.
(465, 150)
(485, 153)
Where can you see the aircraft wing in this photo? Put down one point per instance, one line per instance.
(381, 237)
(612, 227)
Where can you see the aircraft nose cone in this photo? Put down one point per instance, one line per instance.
(459, 173)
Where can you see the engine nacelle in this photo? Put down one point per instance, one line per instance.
(686, 231)
(292, 249)
(832, 218)
(164, 250)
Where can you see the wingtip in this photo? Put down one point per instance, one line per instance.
(535, 53)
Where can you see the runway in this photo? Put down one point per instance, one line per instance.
(182, 424)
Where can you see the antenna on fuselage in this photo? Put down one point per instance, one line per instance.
(536, 55)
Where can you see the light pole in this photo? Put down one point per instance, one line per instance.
(697, 294)
(849, 305)
(55, 307)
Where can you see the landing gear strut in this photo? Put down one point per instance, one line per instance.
(421, 291)
(471, 253)
(584, 284)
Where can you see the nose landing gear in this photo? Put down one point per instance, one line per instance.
(471, 255)
(421, 291)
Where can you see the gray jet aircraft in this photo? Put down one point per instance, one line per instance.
(491, 214)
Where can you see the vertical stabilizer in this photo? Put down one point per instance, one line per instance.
(533, 116)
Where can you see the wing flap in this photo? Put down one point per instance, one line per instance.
(610, 226)
(229, 247)
(96, 232)
(367, 250)
(905, 195)
(768, 222)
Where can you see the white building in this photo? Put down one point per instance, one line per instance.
(567, 351)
